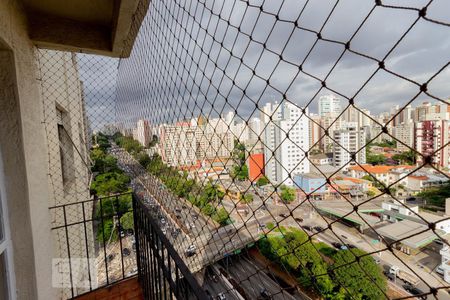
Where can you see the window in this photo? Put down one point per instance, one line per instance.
(66, 151)
(6, 274)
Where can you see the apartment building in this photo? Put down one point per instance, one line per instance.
(404, 133)
(178, 144)
(329, 104)
(286, 139)
(142, 133)
(349, 140)
(432, 138)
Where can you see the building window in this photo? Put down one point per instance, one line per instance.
(66, 151)
(6, 270)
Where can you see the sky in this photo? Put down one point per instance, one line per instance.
(216, 56)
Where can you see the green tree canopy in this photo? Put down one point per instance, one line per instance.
(361, 279)
(287, 194)
(262, 181)
(110, 183)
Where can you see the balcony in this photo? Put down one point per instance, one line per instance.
(130, 259)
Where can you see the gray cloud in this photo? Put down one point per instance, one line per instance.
(179, 70)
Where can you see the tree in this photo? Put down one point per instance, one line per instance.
(221, 216)
(437, 195)
(143, 159)
(287, 194)
(375, 159)
(154, 141)
(110, 183)
(262, 181)
(407, 157)
(127, 221)
(358, 274)
(240, 172)
(246, 198)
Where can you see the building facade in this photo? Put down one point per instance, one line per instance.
(349, 140)
(286, 139)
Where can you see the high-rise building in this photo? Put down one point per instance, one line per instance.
(286, 139)
(329, 104)
(143, 134)
(315, 131)
(404, 133)
(348, 140)
(432, 138)
(178, 144)
(214, 140)
(255, 127)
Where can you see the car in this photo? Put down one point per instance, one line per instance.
(110, 257)
(298, 219)
(350, 246)
(343, 236)
(126, 252)
(306, 227)
(343, 247)
(221, 296)
(413, 290)
(184, 206)
(208, 294)
(283, 215)
(191, 250)
(215, 278)
(264, 294)
(192, 225)
(133, 246)
(440, 270)
(439, 242)
(318, 228)
(336, 245)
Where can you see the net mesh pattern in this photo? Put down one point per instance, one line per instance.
(299, 149)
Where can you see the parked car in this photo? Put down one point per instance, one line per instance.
(126, 252)
(336, 245)
(413, 290)
(221, 296)
(440, 270)
(191, 250)
(264, 294)
(318, 228)
(298, 219)
(306, 227)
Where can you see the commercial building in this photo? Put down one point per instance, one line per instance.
(286, 139)
(255, 164)
(310, 183)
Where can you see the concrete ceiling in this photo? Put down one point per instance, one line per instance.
(106, 27)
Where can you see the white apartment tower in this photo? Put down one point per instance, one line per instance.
(349, 139)
(143, 134)
(178, 145)
(329, 104)
(286, 139)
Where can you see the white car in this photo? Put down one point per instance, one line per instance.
(440, 270)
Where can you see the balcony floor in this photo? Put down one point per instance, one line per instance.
(128, 289)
